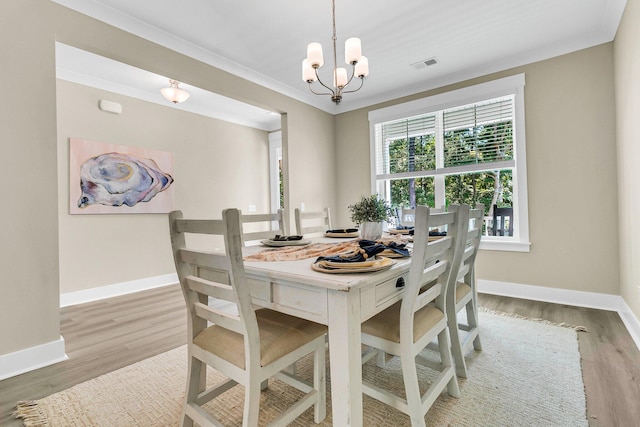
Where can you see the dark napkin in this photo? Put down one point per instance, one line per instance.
(367, 251)
(405, 227)
(343, 230)
(399, 248)
(279, 238)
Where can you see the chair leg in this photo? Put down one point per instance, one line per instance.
(319, 384)
(447, 362)
(251, 403)
(456, 345)
(472, 316)
(381, 359)
(412, 390)
(195, 370)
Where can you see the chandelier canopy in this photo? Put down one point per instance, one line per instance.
(352, 55)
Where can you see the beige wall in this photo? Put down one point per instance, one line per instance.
(627, 78)
(29, 296)
(571, 165)
(311, 179)
(29, 285)
(217, 165)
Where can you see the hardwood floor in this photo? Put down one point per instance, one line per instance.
(610, 359)
(107, 335)
(101, 337)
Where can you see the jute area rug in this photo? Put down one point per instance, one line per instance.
(528, 374)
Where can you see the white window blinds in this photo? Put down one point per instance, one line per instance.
(479, 133)
(477, 136)
(406, 145)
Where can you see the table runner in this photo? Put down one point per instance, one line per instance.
(294, 253)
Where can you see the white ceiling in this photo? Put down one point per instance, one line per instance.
(265, 41)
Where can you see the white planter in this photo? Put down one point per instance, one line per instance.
(371, 230)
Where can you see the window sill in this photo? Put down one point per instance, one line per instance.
(509, 246)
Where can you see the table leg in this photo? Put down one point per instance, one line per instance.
(345, 358)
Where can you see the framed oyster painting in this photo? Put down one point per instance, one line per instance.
(110, 178)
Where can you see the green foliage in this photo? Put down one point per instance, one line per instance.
(370, 209)
(485, 187)
(412, 154)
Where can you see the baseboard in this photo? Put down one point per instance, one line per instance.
(117, 289)
(32, 358)
(631, 322)
(569, 297)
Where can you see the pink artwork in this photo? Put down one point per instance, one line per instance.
(111, 178)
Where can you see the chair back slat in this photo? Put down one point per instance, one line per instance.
(440, 219)
(214, 290)
(199, 226)
(200, 258)
(220, 318)
(308, 223)
(437, 247)
(260, 226)
(430, 294)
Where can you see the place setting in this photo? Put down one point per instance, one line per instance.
(402, 229)
(343, 233)
(369, 256)
(282, 240)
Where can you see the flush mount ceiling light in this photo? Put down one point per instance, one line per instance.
(352, 55)
(174, 94)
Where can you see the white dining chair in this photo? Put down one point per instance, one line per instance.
(465, 295)
(256, 227)
(312, 223)
(248, 347)
(407, 327)
(407, 216)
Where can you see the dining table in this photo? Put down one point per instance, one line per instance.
(340, 301)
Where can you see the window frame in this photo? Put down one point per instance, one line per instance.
(512, 85)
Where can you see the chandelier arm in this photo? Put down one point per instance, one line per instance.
(320, 81)
(355, 90)
(320, 93)
(353, 73)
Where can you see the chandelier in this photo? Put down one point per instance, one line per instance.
(352, 55)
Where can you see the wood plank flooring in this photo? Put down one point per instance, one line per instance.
(610, 359)
(106, 335)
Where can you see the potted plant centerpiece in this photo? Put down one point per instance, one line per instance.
(368, 214)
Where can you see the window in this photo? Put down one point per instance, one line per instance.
(275, 170)
(465, 146)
